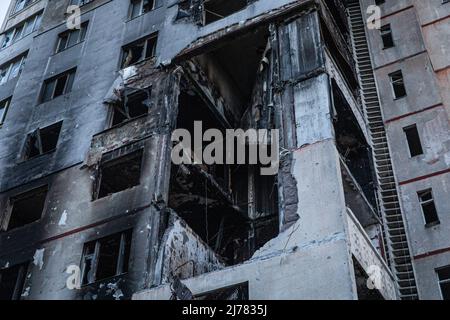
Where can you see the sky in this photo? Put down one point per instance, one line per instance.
(4, 4)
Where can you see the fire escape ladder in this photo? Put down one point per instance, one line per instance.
(398, 251)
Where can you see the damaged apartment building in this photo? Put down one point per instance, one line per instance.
(92, 206)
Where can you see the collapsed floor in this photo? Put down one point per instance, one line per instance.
(232, 208)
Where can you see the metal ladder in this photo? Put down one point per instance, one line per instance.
(398, 252)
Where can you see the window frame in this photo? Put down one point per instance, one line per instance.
(27, 3)
(8, 34)
(23, 30)
(441, 281)
(146, 39)
(205, 12)
(110, 160)
(124, 109)
(420, 193)
(6, 103)
(68, 73)
(20, 281)
(81, 37)
(408, 143)
(386, 31)
(125, 236)
(395, 82)
(141, 9)
(79, 3)
(10, 65)
(37, 134)
(6, 218)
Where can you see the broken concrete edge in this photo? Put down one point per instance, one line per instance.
(177, 228)
(163, 290)
(278, 254)
(204, 43)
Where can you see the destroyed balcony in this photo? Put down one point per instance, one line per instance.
(337, 11)
(208, 208)
(138, 108)
(336, 36)
(183, 254)
(120, 135)
(374, 269)
(204, 12)
(366, 241)
(351, 94)
(185, 181)
(214, 10)
(356, 199)
(373, 278)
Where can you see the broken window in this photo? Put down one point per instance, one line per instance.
(4, 105)
(8, 38)
(58, 86)
(12, 280)
(105, 258)
(386, 36)
(428, 207)
(413, 138)
(42, 141)
(79, 2)
(444, 282)
(12, 69)
(133, 105)
(25, 208)
(398, 84)
(22, 4)
(28, 26)
(234, 292)
(139, 51)
(17, 34)
(70, 38)
(218, 9)
(119, 174)
(139, 7)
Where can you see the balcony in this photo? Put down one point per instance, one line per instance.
(356, 199)
(370, 259)
(118, 136)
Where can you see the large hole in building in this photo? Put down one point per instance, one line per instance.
(231, 207)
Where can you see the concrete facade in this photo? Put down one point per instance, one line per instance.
(312, 231)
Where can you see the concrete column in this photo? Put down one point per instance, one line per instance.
(311, 176)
